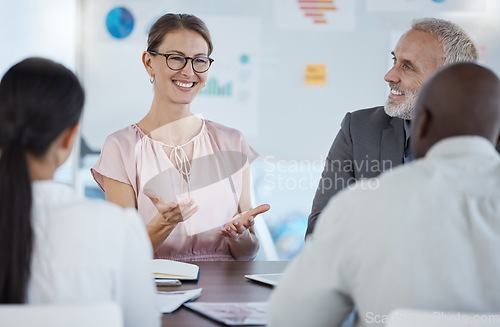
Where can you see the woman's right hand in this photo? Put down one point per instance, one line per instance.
(174, 213)
(168, 216)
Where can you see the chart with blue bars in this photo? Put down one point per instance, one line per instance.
(215, 87)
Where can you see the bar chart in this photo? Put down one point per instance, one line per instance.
(216, 88)
(315, 9)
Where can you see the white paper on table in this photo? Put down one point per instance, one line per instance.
(168, 302)
(233, 313)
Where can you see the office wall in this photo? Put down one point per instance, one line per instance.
(45, 28)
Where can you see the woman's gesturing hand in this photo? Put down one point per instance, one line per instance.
(241, 222)
(174, 213)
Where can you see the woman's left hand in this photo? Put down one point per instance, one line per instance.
(242, 222)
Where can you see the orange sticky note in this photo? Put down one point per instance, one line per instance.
(315, 74)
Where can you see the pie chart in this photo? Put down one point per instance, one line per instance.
(119, 22)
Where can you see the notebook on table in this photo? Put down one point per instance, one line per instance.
(169, 269)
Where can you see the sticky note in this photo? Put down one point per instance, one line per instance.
(315, 74)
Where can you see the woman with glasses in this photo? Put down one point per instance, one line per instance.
(188, 177)
(50, 249)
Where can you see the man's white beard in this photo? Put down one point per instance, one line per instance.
(403, 110)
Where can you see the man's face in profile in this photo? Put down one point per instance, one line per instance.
(416, 57)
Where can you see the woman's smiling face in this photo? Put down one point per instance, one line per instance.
(179, 86)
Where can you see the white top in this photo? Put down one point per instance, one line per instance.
(424, 236)
(90, 251)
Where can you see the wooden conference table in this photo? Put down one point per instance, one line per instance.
(222, 282)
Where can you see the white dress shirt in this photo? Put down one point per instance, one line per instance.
(425, 235)
(88, 251)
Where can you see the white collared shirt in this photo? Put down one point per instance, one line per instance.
(424, 236)
(90, 251)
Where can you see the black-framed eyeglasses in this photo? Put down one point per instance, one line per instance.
(177, 62)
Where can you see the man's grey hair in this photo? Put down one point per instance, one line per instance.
(457, 45)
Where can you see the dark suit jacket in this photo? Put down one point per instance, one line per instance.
(368, 143)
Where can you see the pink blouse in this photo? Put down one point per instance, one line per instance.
(220, 155)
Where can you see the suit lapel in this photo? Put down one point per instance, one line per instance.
(392, 144)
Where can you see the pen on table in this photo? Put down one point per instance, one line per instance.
(168, 282)
(171, 293)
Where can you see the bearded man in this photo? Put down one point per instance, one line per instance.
(377, 139)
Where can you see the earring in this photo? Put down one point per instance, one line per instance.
(151, 79)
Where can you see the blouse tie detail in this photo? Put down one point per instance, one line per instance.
(180, 160)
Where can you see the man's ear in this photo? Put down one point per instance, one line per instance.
(424, 122)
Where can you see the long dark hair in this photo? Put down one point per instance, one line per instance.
(39, 99)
